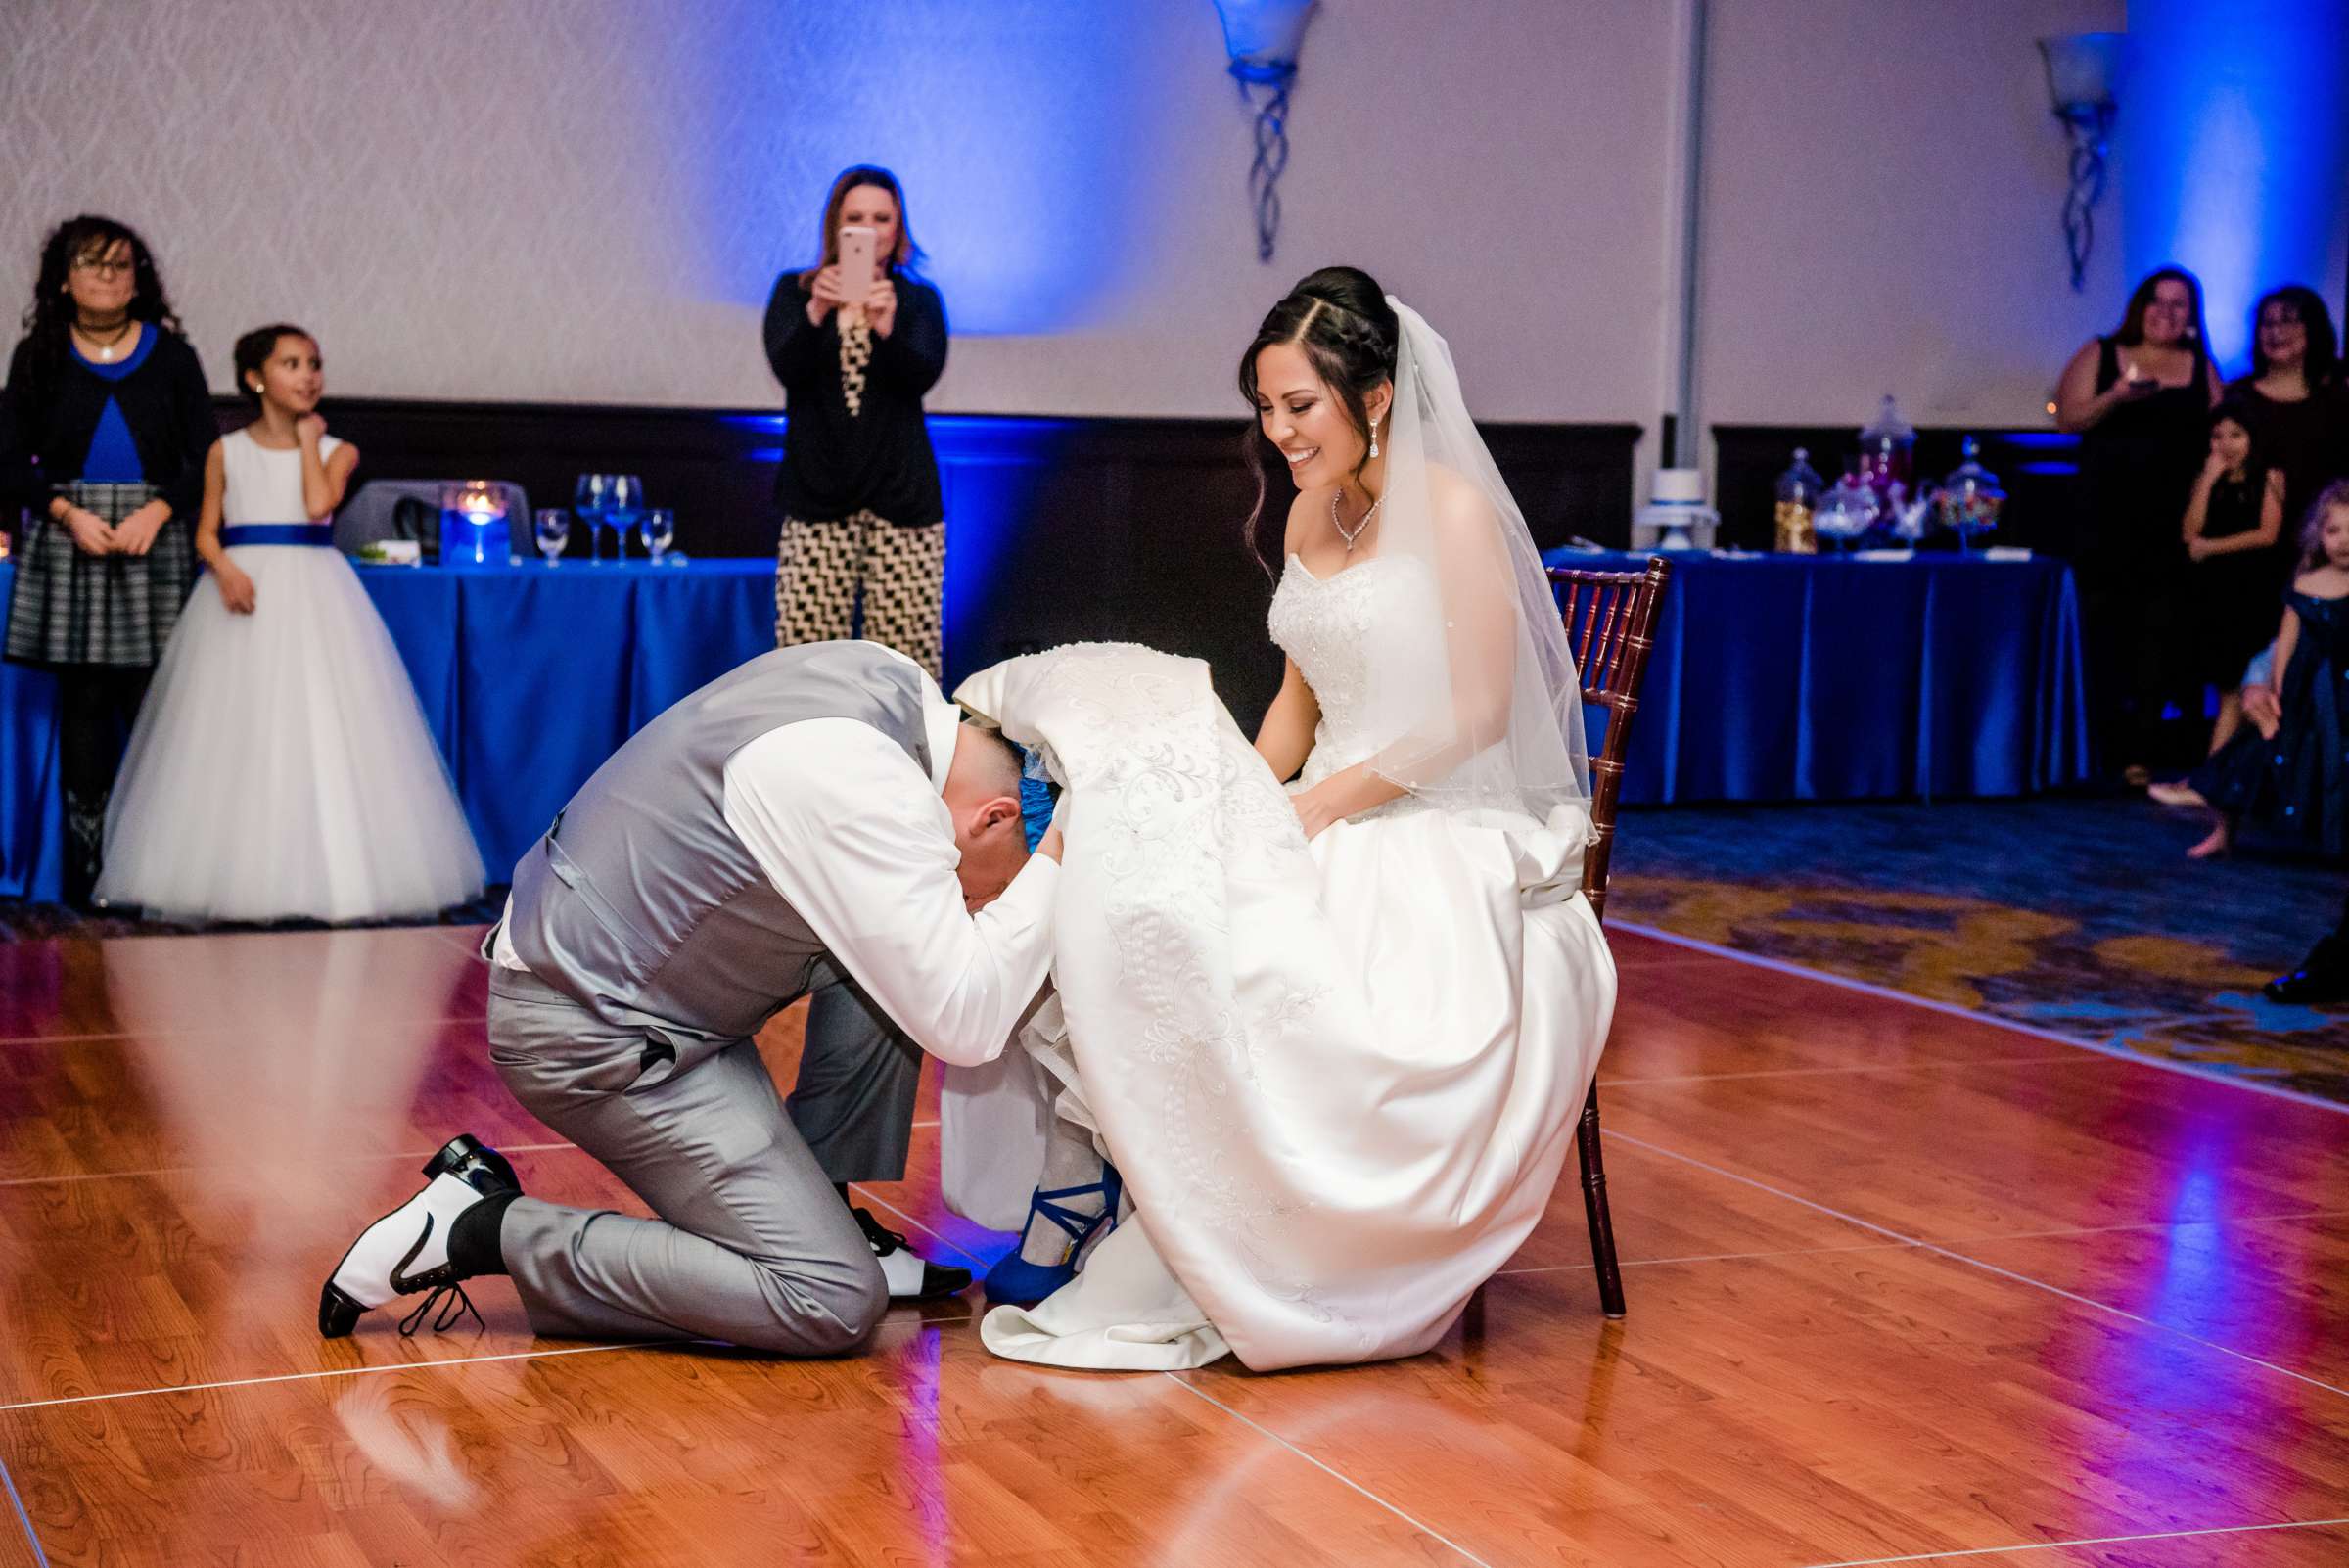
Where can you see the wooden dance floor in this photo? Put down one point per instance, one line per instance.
(1904, 1287)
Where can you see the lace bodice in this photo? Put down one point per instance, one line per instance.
(1376, 617)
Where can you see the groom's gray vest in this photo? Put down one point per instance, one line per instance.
(641, 905)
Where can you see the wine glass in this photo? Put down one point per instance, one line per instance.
(658, 529)
(553, 532)
(624, 505)
(589, 498)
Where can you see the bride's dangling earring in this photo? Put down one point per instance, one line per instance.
(1374, 438)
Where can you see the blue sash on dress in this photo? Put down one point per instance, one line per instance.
(236, 533)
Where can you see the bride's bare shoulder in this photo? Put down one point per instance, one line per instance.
(1456, 499)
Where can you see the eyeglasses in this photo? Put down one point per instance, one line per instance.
(106, 265)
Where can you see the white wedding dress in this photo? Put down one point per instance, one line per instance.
(1339, 1079)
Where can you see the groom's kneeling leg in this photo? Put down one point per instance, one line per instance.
(752, 1245)
(859, 1076)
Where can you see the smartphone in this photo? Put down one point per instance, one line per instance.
(856, 267)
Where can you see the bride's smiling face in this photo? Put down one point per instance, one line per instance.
(1306, 420)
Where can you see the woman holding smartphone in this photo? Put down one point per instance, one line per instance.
(856, 340)
(2140, 400)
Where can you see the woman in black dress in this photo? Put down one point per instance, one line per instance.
(2138, 399)
(2233, 522)
(104, 422)
(2294, 398)
(864, 533)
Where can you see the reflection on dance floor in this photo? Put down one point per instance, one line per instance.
(1899, 1283)
(281, 1057)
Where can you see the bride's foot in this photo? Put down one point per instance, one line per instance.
(1063, 1224)
(2214, 846)
(2180, 793)
(1046, 1242)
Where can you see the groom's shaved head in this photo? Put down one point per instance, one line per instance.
(996, 764)
(983, 796)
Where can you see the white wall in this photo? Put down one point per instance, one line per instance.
(584, 200)
(1882, 185)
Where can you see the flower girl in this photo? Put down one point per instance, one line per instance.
(281, 768)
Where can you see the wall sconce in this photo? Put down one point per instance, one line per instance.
(2081, 70)
(1262, 37)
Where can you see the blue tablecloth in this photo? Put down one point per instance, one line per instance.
(1780, 679)
(1812, 678)
(528, 678)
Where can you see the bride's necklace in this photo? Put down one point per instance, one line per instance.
(1355, 532)
(105, 347)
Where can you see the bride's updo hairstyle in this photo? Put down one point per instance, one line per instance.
(1340, 317)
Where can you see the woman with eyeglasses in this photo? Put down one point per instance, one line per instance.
(104, 423)
(2294, 400)
(856, 341)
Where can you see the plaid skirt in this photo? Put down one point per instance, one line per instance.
(115, 611)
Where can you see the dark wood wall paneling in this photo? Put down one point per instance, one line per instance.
(2037, 467)
(1060, 530)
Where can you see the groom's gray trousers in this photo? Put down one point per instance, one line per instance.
(752, 1245)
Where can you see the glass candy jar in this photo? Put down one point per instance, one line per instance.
(1848, 510)
(1888, 451)
(1970, 499)
(1798, 491)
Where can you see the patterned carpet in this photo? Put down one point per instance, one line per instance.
(2079, 917)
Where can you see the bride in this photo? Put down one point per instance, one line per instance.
(1333, 1046)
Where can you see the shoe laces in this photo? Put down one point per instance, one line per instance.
(883, 1239)
(451, 1311)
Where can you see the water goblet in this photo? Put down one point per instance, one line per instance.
(658, 529)
(553, 531)
(589, 498)
(624, 506)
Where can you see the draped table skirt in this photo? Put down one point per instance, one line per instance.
(1818, 678)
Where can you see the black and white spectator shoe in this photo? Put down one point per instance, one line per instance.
(910, 1276)
(406, 1251)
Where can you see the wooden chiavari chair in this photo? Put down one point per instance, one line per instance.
(1610, 620)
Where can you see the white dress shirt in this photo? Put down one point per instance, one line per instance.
(859, 840)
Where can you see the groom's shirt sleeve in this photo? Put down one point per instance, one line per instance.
(855, 836)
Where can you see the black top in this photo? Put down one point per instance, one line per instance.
(2139, 461)
(165, 402)
(878, 459)
(2234, 506)
(2308, 440)
(2235, 594)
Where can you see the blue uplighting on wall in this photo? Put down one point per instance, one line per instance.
(2233, 135)
(1026, 134)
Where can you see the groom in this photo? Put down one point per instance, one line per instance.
(817, 821)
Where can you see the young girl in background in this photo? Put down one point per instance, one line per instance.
(2233, 521)
(2287, 769)
(281, 768)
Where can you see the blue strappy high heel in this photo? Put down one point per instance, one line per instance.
(1017, 1282)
